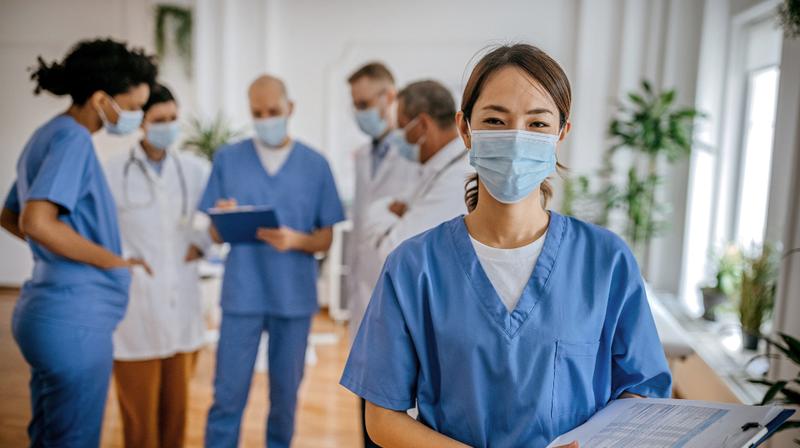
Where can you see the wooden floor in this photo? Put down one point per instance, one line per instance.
(327, 416)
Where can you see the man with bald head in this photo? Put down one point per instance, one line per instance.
(269, 285)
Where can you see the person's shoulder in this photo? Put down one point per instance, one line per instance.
(610, 245)
(310, 155)
(192, 160)
(415, 251)
(65, 129)
(116, 162)
(233, 149)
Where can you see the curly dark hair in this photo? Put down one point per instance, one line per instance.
(92, 65)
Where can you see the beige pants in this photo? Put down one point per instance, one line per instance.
(153, 396)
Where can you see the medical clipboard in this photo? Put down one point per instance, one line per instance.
(239, 225)
(774, 424)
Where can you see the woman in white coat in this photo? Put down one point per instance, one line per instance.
(156, 190)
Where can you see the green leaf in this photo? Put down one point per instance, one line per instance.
(789, 424)
(637, 99)
(793, 345)
(791, 395)
(772, 391)
(667, 97)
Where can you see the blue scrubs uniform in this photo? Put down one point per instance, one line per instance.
(67, 311)
(264, 289)
(436, 333)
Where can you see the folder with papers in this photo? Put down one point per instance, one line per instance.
(240, 224)
(667, 423)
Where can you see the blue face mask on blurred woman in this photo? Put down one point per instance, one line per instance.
(512, 163)
(163, 135)
(127, 120)
(271, 131)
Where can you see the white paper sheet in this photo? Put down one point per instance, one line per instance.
(666, 423)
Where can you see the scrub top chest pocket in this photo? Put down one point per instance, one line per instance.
(575, 383)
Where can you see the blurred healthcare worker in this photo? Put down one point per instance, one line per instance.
(380, 173)
(428, 136)
(514, 324)
(156, 189)
(61, 205)
(269, 286)
(380, 170)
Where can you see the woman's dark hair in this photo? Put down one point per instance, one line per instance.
(92, 65)
(538, 65)
(159, 93)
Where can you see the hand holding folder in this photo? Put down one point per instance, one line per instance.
(239, 225)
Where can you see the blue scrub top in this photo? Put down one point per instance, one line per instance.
(259, 279)
(436, 333)
(59, 165)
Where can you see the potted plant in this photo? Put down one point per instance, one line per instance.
(650, 124)
(757, 292)
(785, 391)
(206, 137)
(726, 281)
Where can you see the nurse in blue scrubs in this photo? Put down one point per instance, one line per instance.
(270, 285)
(61, 206)
(514, 324)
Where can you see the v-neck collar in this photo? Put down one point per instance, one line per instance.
(254, 151)
(536, 287)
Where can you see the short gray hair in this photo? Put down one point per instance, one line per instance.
(429, 97)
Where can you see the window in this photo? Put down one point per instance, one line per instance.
(730, 168)
(756, 155)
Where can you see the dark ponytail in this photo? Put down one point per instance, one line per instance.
(94, 65)
(471, 192)
(51, 78)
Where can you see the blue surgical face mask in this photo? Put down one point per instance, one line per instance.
(399, 140)
(370, 122)
(127, 120)
(512, 163)
(271, 131)
(163, 135)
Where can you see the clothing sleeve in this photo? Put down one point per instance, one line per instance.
(383, 365)
(214, 189)
(200, 236)
(639, 365)
(444, 201)
(12, 200)
(61, 177)
(330, 210)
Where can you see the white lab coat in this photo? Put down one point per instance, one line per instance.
(396, 177)
(164, 314)
(438, 196)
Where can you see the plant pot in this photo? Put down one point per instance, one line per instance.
(750, 340)
(712, 298)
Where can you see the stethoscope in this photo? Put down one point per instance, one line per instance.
(133, 160)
